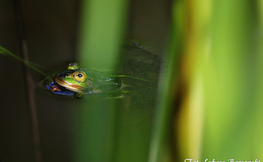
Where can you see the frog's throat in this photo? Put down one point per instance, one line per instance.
(71, 87)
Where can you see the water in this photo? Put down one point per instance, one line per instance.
(122, 132)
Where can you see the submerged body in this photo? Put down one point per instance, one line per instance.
(80, 82)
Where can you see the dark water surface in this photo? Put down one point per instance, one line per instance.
(51, 28)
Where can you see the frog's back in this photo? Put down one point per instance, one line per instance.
(103, 80)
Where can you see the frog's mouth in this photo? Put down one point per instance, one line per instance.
(69, 86)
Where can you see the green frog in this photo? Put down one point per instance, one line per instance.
(133, 80)
(80, 82)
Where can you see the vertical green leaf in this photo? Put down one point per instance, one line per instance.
(231, 75)
(101, 28)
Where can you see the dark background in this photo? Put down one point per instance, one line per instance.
(52, 34)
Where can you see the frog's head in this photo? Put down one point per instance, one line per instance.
(73, 80)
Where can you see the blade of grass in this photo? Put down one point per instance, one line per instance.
(26, 62)
(160, 147)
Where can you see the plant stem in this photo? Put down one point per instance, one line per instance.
(30, 86)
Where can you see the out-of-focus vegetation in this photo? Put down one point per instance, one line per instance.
(214, 74)
(102, 27)
(221, 114)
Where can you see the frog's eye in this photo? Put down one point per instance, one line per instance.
(73, 66)
(79, 76)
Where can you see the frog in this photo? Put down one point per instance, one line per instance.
(133, 80)
(80, 82)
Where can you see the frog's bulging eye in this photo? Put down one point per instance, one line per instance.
(79, 76)
(73, 66)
